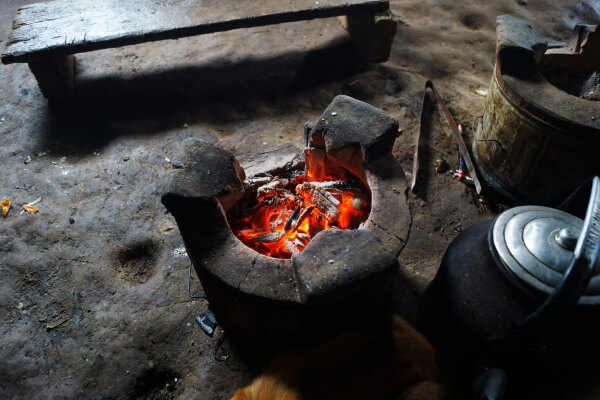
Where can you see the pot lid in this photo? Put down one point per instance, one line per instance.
(535, 245)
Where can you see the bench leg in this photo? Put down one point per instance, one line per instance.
(373, 33)
(55, 76)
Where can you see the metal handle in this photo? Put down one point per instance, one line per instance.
(576, 278)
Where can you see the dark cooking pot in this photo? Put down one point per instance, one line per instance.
(524, 283)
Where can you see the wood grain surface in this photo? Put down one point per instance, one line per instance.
(62, 27)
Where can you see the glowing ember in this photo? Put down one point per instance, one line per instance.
(286, 212)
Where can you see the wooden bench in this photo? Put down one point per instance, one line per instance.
(47, 35)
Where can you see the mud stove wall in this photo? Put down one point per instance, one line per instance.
(340, 275)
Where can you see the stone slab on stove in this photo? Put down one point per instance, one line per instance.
(348, 122)
(207, 172)
(340, 262)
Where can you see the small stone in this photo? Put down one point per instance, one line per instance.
(125, 158)
(27, 159)
(71, 220)
(331, 261)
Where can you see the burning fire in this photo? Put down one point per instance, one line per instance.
(290, 211)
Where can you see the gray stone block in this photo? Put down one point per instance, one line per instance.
(347, 123)
(340, 262)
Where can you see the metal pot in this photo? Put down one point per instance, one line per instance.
(525, 283)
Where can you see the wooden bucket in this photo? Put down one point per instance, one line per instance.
(537, 142)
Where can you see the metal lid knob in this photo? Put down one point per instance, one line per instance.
(567, 238)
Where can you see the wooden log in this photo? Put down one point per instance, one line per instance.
(292, 247)
(324, 201)
(255, 182)
(304, 214)
(303, 236)
(272, 188)
(266, 237)
(315, 159)
(269, 162)
(372, 32)
(55, 76)
(263, 229)
(290, 220)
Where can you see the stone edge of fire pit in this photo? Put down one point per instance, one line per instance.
(198, 196)
(348, 122)
(256, 309)
(340, 262)
(390, 217)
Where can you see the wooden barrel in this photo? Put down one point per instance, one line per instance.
(536, 142)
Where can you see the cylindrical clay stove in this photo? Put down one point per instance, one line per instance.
(540, 131)
(338, 277)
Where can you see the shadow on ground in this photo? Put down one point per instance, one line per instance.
(107, 107)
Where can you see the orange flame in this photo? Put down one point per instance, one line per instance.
(290, 212)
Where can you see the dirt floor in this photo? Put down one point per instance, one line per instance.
(93, 288)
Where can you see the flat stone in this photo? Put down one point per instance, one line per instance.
(207, 172)
(347, 123)
(340, 262)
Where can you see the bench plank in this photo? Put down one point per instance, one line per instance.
(59, 28)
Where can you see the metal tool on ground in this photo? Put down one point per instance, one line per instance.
(463, 151)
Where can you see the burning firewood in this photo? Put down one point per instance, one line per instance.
(290, 221)
(267, 237)
(292, 247)
(323, 200)
(315, 166)
(256, 181)
(253, 230)
(290, 210)
(303, 236)
(339, 184)
(299, 244)
(304, 214)
(271, 188)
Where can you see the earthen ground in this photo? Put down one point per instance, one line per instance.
(93, 288)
